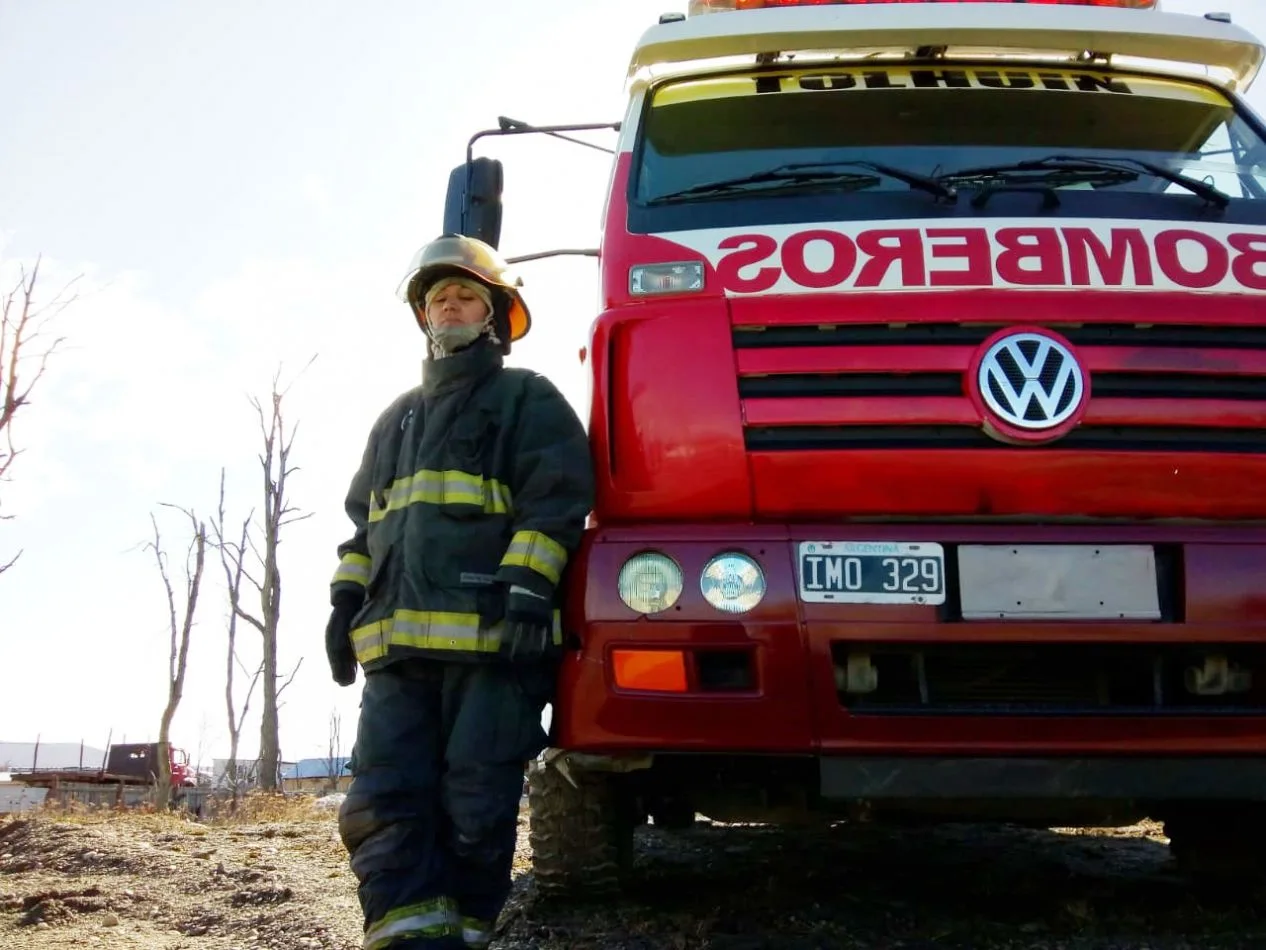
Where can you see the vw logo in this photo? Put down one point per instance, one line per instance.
(1031, 381)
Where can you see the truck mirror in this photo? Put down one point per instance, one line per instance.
(475, 212)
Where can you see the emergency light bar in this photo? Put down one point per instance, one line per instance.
(720, 6)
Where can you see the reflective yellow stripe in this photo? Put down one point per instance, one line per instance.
(433, 918)
(538, 552)
(368, 641)
(442, 488)
(424, 630)
(353, 569)
(439, 630)
(432, 630)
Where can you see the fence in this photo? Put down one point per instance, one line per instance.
(96, 795)
(17, 798)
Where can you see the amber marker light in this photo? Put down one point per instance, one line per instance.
(653, 671)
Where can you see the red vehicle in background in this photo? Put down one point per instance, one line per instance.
(928, 411)
(128, 763)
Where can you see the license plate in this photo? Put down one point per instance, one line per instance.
(871, 572)
(1058, 582)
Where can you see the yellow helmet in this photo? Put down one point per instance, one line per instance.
(458, 254)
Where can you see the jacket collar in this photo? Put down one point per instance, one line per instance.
(464, 368)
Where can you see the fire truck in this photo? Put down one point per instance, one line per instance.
(928, 413)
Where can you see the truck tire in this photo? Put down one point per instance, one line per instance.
(582, 838)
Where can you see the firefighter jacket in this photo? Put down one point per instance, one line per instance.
(478, 478)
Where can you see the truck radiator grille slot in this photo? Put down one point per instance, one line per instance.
(1068, 679)
(1097, 439)
(1126, 385)
(924, 334)
(872, 386)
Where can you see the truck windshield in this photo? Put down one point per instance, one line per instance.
(718, 147)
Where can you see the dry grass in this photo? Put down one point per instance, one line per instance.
(269, 874)
(255, 807)
(273, 875)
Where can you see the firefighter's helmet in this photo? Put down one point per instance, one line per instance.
(470, 257)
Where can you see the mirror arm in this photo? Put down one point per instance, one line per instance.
(567, 252)
(516, 127)
(522, 129)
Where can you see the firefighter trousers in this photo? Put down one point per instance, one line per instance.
(430, 819)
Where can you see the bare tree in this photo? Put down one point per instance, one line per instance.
(334, 755)
(233, 560)
(276, 469)
(180, 633)
(25, 349)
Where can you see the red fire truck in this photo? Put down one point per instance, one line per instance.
(928, 411)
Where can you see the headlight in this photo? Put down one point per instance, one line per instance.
(733, 583)
(650, 582)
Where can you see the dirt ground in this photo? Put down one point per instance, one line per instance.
(280, 881)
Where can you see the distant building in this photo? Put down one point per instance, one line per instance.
(314, 775)
(247, 772)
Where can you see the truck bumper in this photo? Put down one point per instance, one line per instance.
(1142, 778)
(979, 693)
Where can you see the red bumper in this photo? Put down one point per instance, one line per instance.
(767, 681)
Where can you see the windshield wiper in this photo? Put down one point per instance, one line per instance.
(773, 179)
(1076, 163)
(814, 173)
(932, 186)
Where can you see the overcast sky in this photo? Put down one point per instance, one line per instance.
(240, 186)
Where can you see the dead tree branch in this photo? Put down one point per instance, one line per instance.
(264, 575)
(181, 630)
(334, 752)
(232, 560)
(25, 351)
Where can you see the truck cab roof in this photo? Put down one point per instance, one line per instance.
(1151, 40)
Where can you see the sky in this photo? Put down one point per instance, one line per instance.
(233, 189)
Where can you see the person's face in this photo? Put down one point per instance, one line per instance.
(456, 306)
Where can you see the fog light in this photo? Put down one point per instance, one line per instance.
(1217, 677)
(733, 583)
(858, 677)
(650, 582)
(675, 278)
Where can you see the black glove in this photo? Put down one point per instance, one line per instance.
(529, 625)
(338, 641)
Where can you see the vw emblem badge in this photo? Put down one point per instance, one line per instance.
(1031, 386)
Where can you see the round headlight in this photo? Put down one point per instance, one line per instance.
(650, 582)
(733, 583)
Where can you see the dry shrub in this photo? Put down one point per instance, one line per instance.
(259, 806)
(144, 816)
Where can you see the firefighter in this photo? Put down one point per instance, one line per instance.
(470, 497)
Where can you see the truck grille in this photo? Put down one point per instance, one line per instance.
(871, 386)
(1070, 679)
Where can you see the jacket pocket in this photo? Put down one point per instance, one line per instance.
(374, 589)
(463, 550)
(377, 539)
(464, 492)
(378, 575)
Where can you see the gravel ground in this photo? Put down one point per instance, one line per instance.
(282, 883)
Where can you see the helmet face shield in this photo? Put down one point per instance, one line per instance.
(469, 257)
